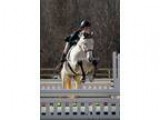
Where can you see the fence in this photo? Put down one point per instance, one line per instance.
(98, 100)
(49, 73)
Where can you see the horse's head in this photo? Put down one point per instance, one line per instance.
(86, 43)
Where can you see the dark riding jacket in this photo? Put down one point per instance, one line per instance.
(73, 38)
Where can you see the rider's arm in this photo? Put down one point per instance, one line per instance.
(74, 36)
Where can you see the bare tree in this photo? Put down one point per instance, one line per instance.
(60, 17)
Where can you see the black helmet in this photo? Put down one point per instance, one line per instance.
(85, 23)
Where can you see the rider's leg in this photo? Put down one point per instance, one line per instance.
(63, 56)
(65, 51)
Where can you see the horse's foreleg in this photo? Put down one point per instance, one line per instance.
(77, 82)
(63, 80)
(83, 73)
(68, 83)
(95, 63)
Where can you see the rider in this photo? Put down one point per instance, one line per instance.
(73, 38)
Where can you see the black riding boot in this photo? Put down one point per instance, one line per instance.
(62, 60)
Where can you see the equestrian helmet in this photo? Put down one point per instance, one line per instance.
(85, 23)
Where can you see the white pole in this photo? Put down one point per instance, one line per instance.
(115, 64)
(119, 66)
(118, 79)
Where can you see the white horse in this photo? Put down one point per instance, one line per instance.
(78, 58)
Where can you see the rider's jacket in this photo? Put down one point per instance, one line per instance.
(73, 38)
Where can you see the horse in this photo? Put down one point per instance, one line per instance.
(78, 63)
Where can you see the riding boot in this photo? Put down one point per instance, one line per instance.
(63, 57)
(62, 60)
